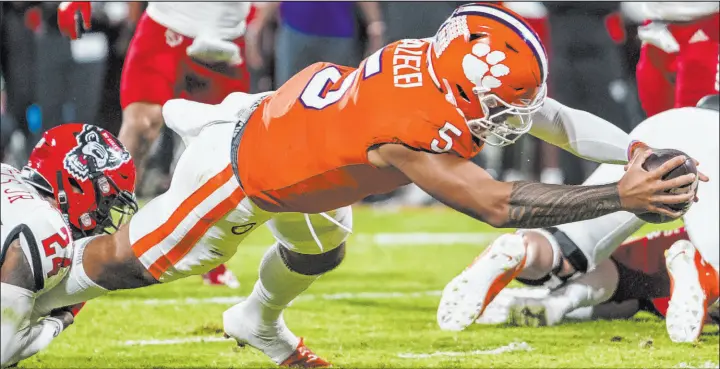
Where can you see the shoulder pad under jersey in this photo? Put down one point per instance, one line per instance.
(44, 236)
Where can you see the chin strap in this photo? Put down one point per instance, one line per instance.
(104, 203)
(62, 199)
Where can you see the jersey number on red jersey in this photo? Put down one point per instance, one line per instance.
(62, 240)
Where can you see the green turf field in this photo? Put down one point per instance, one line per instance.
(376, 308)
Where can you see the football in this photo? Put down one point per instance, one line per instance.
(658, 158)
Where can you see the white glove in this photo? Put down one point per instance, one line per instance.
(658, 35)
(215, 50)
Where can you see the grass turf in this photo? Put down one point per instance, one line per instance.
(352, 330)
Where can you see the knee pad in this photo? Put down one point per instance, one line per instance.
(563, 248)
(312, 264)
(312, 233)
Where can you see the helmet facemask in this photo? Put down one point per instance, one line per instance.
(121, 202)
(503, 123)
(107, 202)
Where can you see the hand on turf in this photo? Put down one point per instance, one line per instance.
(645, 191)
(64, 315)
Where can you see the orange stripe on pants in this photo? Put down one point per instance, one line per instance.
(155, 237)
(196, 232)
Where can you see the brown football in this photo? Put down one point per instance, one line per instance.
(658, 158)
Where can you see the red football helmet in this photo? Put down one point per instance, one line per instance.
(88, 172)
(492, 66)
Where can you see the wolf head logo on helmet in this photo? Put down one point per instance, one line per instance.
(493, 68)
(96, 144)
(89, 174)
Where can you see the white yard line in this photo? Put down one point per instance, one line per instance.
(705, 365)
(175, 341)
(514, 346)
(401, 239)
(230, 300)
(504, 295)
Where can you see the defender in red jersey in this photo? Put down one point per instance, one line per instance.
(76, 175)
(679, 59)
(297, 158)
(572, 259)
(635, 278)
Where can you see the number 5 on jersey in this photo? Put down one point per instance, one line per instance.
(445, 138)
(312, 97)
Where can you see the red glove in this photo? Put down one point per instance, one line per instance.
(615, 26)
(74, 18)
(33, 18)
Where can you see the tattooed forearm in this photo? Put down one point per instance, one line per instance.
(534, 205)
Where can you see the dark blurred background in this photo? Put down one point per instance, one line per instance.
(49, 80)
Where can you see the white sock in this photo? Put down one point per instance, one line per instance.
(583, 313)
(276, 287)
(591, 289)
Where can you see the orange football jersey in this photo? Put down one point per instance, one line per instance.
(304, 149)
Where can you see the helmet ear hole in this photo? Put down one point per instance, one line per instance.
(75, 185)
(462, 93)
(477, 36)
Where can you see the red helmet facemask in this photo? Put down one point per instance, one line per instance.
(89, 174)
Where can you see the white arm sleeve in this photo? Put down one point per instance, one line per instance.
(16, 305)
(581, 133)
(39, 336)
(18, 339)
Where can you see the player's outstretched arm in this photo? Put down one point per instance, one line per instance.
(468, 188)
(580, 133)
(108, 263)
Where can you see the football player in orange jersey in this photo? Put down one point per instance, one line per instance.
(297, 158)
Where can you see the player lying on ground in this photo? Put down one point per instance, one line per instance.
(75, 176)
(637, 280)
(552, 256)
(297, 158)
(635, 277)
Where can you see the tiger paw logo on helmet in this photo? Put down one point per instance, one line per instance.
(482, 60)
(98, 144)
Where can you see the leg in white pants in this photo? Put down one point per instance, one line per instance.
(307, 246)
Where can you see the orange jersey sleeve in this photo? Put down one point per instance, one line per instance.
(308, 142)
